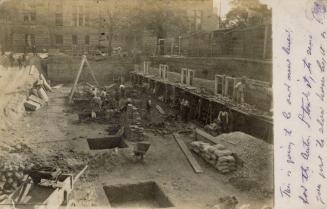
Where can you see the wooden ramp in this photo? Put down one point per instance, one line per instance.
(188, 154)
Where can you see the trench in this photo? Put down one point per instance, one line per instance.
(137, 195)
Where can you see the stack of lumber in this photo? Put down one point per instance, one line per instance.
(38, 96)
(136, 130)
(216, 155)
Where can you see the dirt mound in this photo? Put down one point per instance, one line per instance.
(14, 86)
(256, 175)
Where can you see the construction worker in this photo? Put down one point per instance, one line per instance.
(240, 91)
(148, 106)
(96, 103)
(34, 50)
(182, 108)
(122, 90)
(94, 92)
(223, 120)
(103, 94)
(186, 110)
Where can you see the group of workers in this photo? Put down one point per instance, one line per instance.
(100, 98)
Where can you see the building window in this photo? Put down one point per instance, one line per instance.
(29, 40)
(81, 16)
(29, 16)
(87, 20)
(74, 40)
(74, 19)
(59, 39)
(59, 19)
(87, 39)
(33, 16)
(26, 18)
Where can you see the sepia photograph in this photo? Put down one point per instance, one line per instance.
(136, 104)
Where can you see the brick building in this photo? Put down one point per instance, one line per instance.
(62, 24)
(79, 25)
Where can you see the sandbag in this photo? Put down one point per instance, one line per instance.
(211, 149)
(220, 153)
(219, 146)
(228, 158)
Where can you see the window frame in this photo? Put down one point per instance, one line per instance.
(61, 38)
(74, 39)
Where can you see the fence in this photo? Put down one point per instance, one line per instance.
(252, 42)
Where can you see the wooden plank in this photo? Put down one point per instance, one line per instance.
(76, 79)
(79, 174)
(205, 135)
(160, 110)
(188, 154)
(92, 72)
(210, 138)
(36, 99)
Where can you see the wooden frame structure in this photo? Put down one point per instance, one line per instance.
(184, 76)
(219, 85)
(146, 66)
(229, 89)
(190, 77)
(83, 62)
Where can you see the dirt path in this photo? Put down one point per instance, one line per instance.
(56, 138)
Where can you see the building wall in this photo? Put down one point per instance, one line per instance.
(253, 42)
(43, 25)
(259, 94)
(206, 68)
(63, 69)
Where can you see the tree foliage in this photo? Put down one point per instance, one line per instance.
(246, 13)
(129, 19)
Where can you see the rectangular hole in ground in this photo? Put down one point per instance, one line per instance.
(106, 143)
(138, 195)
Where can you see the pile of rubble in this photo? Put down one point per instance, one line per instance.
(11, 177)
(136, 130)
(37, 95)
(216, 155)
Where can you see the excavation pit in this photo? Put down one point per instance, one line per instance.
(106, 143)
(138, 195)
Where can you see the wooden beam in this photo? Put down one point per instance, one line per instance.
(195, 165)
(92, 72)
(265, 42)
(76, 79)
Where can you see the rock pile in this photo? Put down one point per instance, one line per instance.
(11, 177)
(217, 155)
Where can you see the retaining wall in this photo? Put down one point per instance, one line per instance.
(207, 68)
(64, 69)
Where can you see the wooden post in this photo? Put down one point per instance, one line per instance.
(265, 43)
(76, 79)
(199, 108)
(91, 71)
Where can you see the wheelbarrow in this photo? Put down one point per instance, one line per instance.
(37, 173)
(140, 149)
(52, 193)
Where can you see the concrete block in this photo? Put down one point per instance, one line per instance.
(31, 105)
